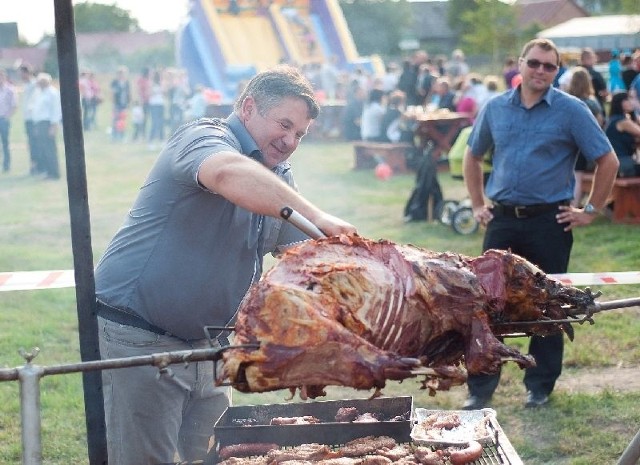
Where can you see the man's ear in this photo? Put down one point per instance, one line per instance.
(248, 107)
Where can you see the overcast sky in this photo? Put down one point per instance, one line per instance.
(36, 17)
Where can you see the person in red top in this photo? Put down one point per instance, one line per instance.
(143, 87)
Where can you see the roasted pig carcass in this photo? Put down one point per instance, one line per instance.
(353, 312)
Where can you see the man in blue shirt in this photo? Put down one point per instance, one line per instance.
(535, 131)
(188, 250)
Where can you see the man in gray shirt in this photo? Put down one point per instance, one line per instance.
(188, 250)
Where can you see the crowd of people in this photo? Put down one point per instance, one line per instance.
(418, 83)
(42, 115)
(152, 105)
(377, 108)
(613, 102)
(148, 107)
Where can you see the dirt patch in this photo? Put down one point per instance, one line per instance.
(596, 380)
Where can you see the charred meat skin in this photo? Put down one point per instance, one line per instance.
(354, 312)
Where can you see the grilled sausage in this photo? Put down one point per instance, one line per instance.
(471, 453)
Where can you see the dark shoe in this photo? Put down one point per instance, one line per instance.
(476, 403)
(536, 399)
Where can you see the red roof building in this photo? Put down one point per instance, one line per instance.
(125, 42)
(13, 57)
(547, 13)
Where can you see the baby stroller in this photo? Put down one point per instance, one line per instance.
(458, 213)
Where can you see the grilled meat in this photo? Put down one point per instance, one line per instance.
(396, 452)
(354, 312)
(246, 450)
(426, 456)
(447, 421)
(309, 452)
(304, 420)
(366, 445)
(366, 418)
(259, 460)
(346, 414)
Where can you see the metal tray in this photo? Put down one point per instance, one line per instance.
(458, 436)
(246, 424)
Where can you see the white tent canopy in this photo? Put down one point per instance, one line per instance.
(615, 32)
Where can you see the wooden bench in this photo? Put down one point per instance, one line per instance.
(367, 155)
(625, 196)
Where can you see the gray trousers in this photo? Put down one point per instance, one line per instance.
(151, 419)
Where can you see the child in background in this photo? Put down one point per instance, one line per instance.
(137, 120)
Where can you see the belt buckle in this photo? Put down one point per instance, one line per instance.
(520, 211)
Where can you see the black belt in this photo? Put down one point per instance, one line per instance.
(122, 317)
(525, 211)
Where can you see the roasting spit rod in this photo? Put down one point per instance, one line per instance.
(302, 223)
(581, 314)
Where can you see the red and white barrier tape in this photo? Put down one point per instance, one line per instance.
(593, 279)
(30, 280)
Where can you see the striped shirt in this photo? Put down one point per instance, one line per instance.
(7, 101)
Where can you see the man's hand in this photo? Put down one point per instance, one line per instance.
(482, 214)
(574, 217)
(333, 226)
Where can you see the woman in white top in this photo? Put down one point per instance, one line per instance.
(372, 114)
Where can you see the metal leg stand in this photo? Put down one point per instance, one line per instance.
(631, 454)
(29, 377)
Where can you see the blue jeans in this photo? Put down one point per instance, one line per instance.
(37, 165)
(156, 113)
(150, 419)
(4, 135)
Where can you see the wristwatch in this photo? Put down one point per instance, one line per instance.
(590, 209)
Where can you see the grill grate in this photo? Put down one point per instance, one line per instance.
(501, 451)
(497, 450)
(492, 454)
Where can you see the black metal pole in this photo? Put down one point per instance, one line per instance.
(631, 454)
(80, 228)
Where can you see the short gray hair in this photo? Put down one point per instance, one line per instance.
(270, 87)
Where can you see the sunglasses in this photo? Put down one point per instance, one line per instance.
(535, 64)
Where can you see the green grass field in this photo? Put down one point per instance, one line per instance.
(577, 427)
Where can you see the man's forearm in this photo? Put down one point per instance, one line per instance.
(603, 179)
(473, 178)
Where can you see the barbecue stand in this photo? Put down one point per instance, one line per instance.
(251, 424)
